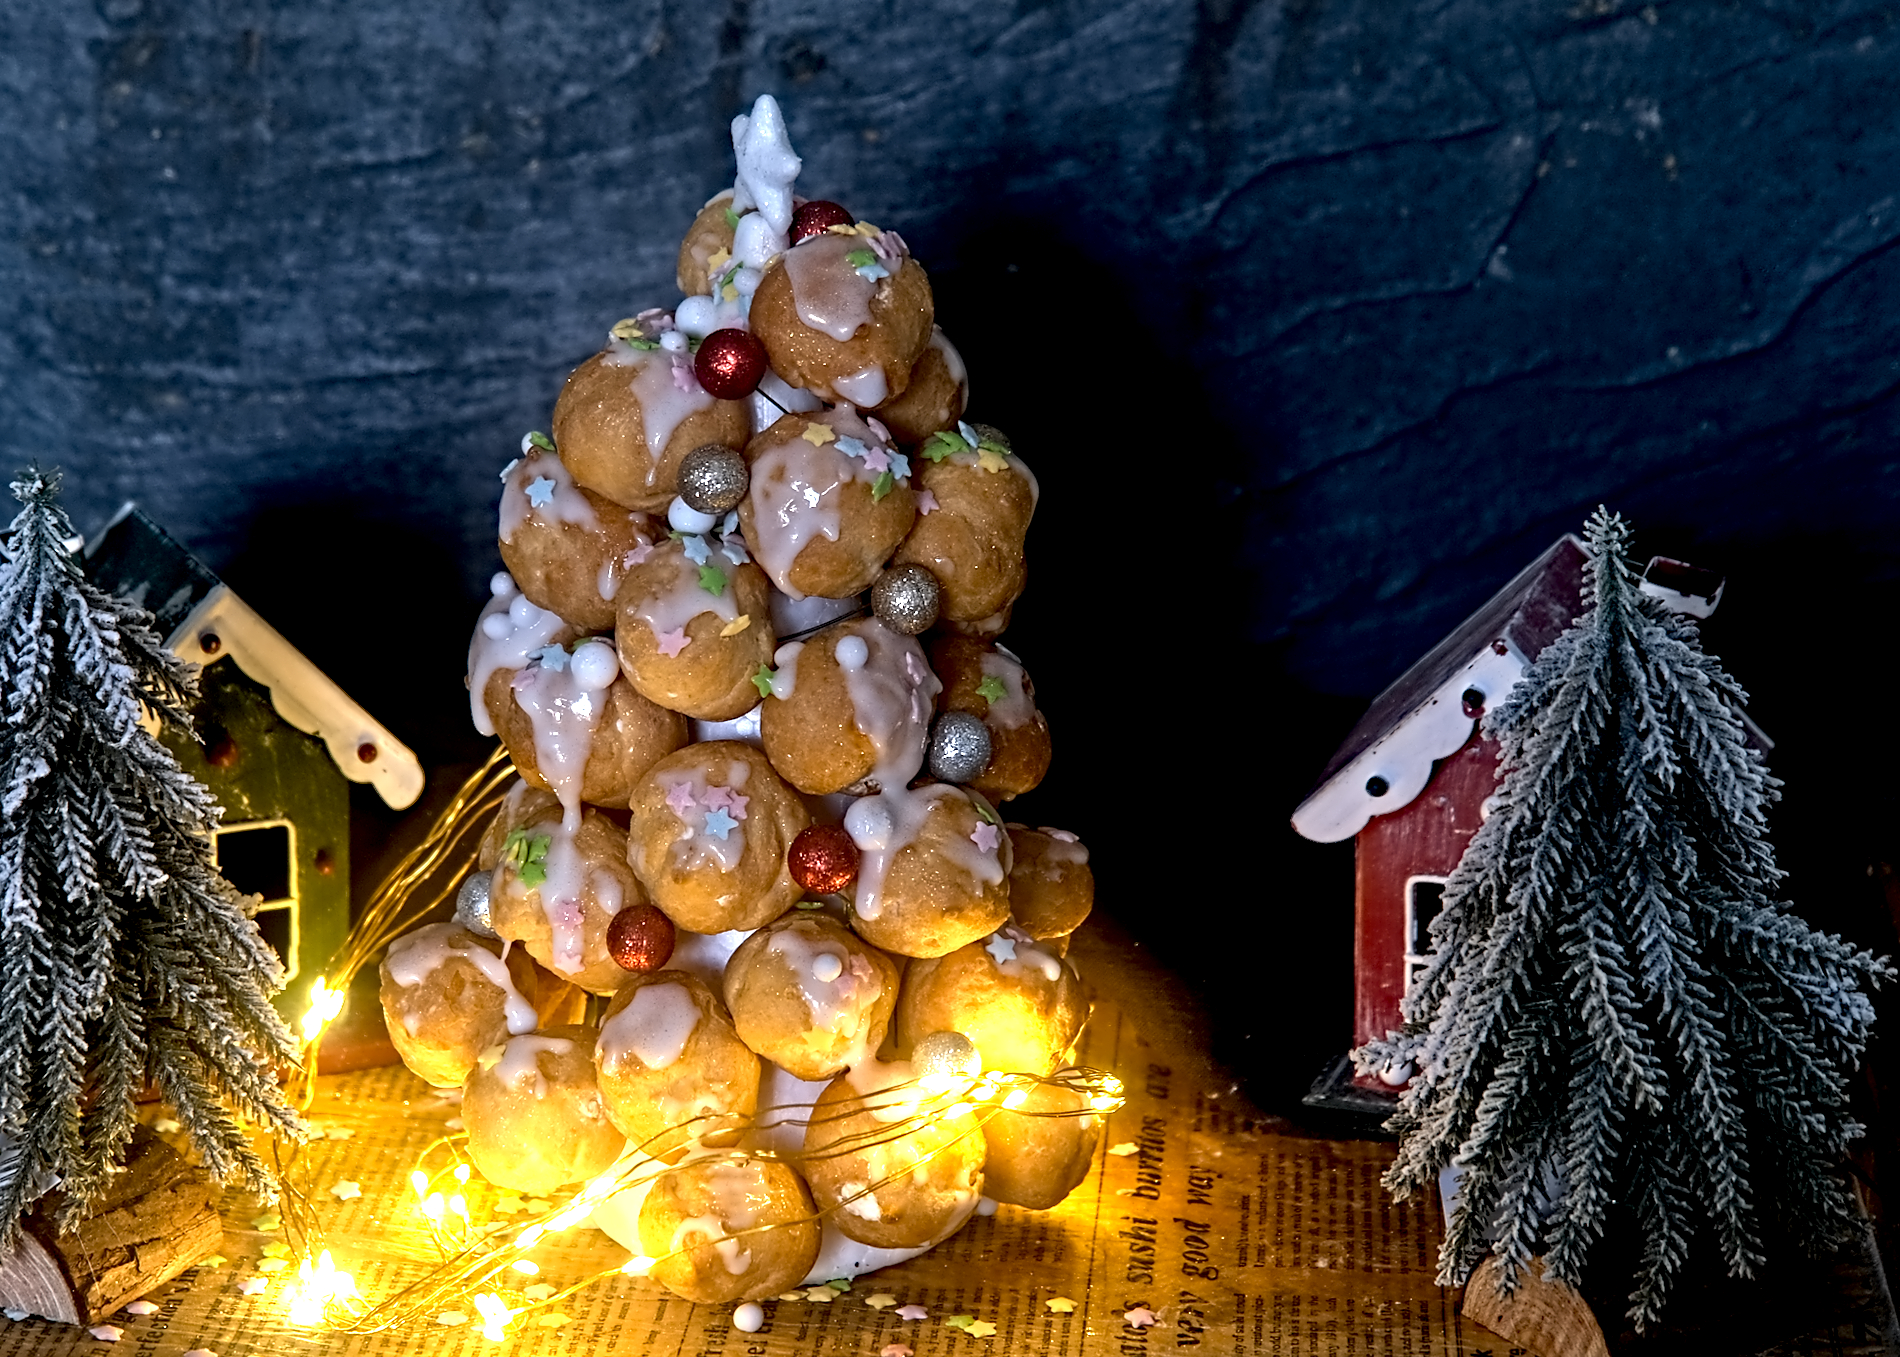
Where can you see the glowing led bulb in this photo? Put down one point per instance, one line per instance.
(1017, 1097)
(527, 1265)
(420, 1182)
(461, 1173)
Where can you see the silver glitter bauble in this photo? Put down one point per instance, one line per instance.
(713, 479)
(906, 598)
(959, 747)
(471, 904)
(949, 1053)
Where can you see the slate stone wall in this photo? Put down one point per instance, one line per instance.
(1319, 318)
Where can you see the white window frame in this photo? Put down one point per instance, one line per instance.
(292, 902)
(1415, 961)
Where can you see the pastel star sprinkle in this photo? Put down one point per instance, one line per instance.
(839, 1283)
(942, 444)
(450, 1319)
(539, 1291)
(900, 466)
(679, 797)
(553, 1321)
(853, 447)
(16, 1314)
(1001, 948)
(696, 549)
(926, 502)
(911, 1312)
(253, 1286)
(141, 1308)
(986, 837)
(683, 378)
(637, 555)
(269, 1265)
(1060, 1305)
(509, 1205)
(719, 823)
(200, 1352)
(540, 491)
(671, 643)
(726, 799)
(106, 1333)
(818, 435)
(877, 427)
(277, 1248)
(959, 1321)
(882, 1300)
(821, 1294)
(552, 658)
(876, 459)
(346, 1191)
(212, 1260)
(737, 625)
(882, 486)
(980, 1328)
(718, 260)
(1123, 1150)
(991, 689)
(1141, 1317)
(895, 1350)
(167, 1126)
(990, 461)
(968, 432)
(712, 579)
(537, 439)
(733, 549)
(270, 1220)
(763, 681)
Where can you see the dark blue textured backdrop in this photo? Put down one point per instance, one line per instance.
(1318, 317)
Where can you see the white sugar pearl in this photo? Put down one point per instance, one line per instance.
(697, 317)
(594, 665)
(826, 968)
(685, 518)
(747, 281)
(754, 242)
(523, 613)
(495, 626)
(501, 583)
(852, 653)
(673, 341)
(869, 823)
(749, 1318)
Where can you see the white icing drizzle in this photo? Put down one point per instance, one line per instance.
(684, 598)
(1015, 708)
(863, 388)
(952, 361)
(827, 290)
(696, 845)
(1022, 955)
(892, 695)
(614, 569)
(653, 1028)
(732, 1252)
(561, 502)
(737, 1199)
(570, 877)
(1064, 850)
(665, 399)
(509, 630)
(868, 1079)
(564, 714)
(884, 824)
(416, 956)
(838, 985)
(785, 671)
(521, 1057)
(796, 488)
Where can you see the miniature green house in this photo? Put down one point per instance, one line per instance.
(278, 744)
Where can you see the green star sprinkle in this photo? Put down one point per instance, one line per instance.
(732, 218)
(944, 443)
(959, 1321)
(991, 445)
(839, 1283)
(991, 689)
(860, 258)
(529, 853)
(882, 486)
(541, 440)
(763, 681)
(983, 811)
(712, 579)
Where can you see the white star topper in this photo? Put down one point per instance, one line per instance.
(767, 164)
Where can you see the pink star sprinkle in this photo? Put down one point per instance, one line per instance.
(926, 502)
(986, 837)
(1141, 1317)
(877, 427)
(895, 1350)
(680, 797)
(726, 799)
(683, 376)
(911, 1312)
(671, 643)
(637, 555)
(876, 459)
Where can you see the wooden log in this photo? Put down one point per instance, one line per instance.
(1545, 1316)
(156, 1219)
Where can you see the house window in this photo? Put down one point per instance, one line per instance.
(260, 858)
(1424, 895)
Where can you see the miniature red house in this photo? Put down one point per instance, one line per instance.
(1412, 780)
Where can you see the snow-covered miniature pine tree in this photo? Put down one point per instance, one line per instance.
(1623, 1023)
(124, 956)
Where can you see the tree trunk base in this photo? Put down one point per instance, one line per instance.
(1545, 1316)
(158, 1218)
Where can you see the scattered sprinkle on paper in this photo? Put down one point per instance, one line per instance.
(821, 1294)
(346, 1191)
(959, 1321)
(895, 1350)
(449, 1319)
(201, 1352)
(737, 625)
(449, 1095)
(1060, 1305)
(1141, 1317)
(253, 1286)
(1127, 1147)
(793, 1295)
(215, 1260)
(270, 1220)
(553, 1321)
(539, 1291)
(277, 1248)
(510, 1205)
(11, 1313)
(268, 1265)
(167, 1126)
(980, 1328)
(539, 1204)
(106, 1333)
(911, 1312)
(839, 1283)
(882, 1300)
(141, 1307)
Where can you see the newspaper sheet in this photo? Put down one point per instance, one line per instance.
(1231, 1235)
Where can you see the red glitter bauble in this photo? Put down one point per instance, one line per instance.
(823, 859)
(729, 364)
(640, 938)
(816, 217)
